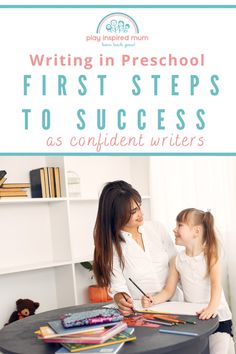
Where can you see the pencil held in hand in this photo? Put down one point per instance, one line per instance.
(124, 296)
(147, 296)
(147, 301)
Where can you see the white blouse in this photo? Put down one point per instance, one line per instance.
(196, 285)
(148, 268)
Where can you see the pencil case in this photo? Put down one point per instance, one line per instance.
(88, 318)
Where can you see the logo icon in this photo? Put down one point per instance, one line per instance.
(117, 23)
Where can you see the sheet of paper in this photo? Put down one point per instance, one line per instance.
(184, 308)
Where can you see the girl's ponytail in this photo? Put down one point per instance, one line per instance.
(210, 240)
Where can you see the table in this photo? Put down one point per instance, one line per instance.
(19, 337)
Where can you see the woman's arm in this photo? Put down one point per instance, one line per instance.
(169, 289)
(119, 289)
(216, 288)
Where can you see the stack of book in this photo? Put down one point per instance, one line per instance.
(45, 182)
(11, 189)
(87, 338)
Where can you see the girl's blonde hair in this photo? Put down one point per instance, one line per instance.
(194, 217)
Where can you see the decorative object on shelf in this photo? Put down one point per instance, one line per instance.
(73, 184)
(24, 308)
(96, 293)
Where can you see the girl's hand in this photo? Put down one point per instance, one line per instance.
(206, 313)
(147, 301)
(124, 303)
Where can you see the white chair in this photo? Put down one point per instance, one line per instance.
(221, 343)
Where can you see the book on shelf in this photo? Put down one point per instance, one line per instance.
(51, 180)
(45, 182)
(57, 180)
(123, 336)
(2, 173)
(12, 189)
(2, 180)
(15, 185)
(110, 349)
(37, 183)
(14, 193)
(89, 338)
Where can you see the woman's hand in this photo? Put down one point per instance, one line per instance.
(147, 301)
(206, 313)
(125, 303)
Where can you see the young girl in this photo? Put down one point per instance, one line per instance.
(198, 269)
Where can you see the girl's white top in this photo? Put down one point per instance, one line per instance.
(148, 268)
(196, 285)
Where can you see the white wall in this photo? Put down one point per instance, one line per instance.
(205, 183)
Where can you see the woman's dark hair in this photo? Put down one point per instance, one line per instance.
(114, 211)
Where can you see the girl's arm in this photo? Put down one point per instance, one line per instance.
(169, 289)
(211, 309)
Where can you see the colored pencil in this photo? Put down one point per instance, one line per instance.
(159, 322)
(170, 331)
(180, 320)
(152, 312)
(168, 319)
(191, 322)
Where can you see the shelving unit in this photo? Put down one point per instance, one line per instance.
(43, 240)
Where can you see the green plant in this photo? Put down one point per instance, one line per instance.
(88, 265)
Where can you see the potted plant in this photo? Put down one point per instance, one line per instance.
(96, 293)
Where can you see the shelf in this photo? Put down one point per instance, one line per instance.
(95, 199)
(53, 200)
(32, 267)
(31, 200)
(86, 258)
(82, 199)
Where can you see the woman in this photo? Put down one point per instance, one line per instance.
(126, 248)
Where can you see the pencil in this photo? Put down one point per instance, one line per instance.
(191, 322)
(170, 331)
(171, 319)
(140, 289)
(153, 312)
(159, 322)
(181, 320)
(126, 300)
(166, 319)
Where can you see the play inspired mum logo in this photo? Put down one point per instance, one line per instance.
(117, 30)
(117, 22)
